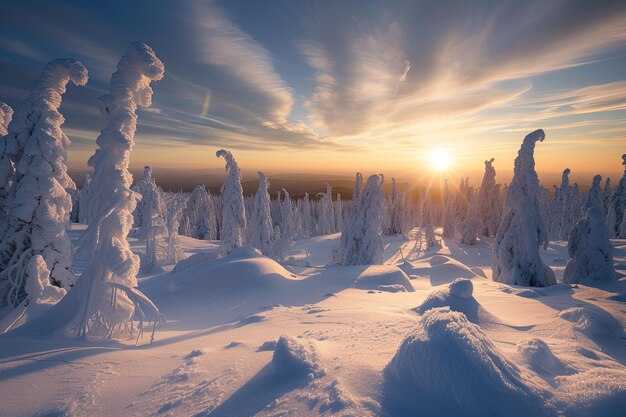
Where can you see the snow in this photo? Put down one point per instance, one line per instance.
(448, 366)
(560, 352)
(293, 358)
(522, 231)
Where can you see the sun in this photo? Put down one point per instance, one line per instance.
(439, 159)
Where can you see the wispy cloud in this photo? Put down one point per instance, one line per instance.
(228, 47)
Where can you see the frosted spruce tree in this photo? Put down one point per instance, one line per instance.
(617, 206)
(358, 183)
(197, 220)
(522, 230)
(307, 221)
(590, 250)
(260, 227)
(489, 210)
(361, 239)
(395, 209)
(606, 194)
(6, 114)
(142, 187)
(105, 299)
(461, 200)
(326, 223)
(83, 197)
(233, 209)
(152, 229)
(33, 173)
(594, 196)
(338, 210)
(174, 214)
(564, 209)
(447, 216)
(468, 229)
(427, 210)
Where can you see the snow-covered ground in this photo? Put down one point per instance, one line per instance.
(246, 336)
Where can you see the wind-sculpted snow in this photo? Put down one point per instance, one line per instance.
(295, 358)
(489, 207)
(34, 203)
(590, 250)
(387, 278)
(458, 297)
(523, 230)
(594, 196)
(539, 357)
(617, 207)
(361, 239)
(260, 227)
(106, 297)
(233, 209)
(448, 366)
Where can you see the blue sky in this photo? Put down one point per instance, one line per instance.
(342, 85)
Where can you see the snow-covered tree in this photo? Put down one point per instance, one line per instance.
(606, 194)
(233, 209)
(326, 224)
(142, 187)
(590, 250)
(338, 210)
(260, 227)
(447, 216)
(307, 221)
(489, 209)
(83, 197)
(461, 200)
(197, 220)
(430, 237)
(427, 210)
(468, 229)
(6, 114)
(395, 209)
(33, 173)
(594, 196)
(361, 239)
(174, 213)
(358, 183)
(407, 217)
(617, 206)
(105, 299)
(565, 208)
(522, 230)
(152, 229)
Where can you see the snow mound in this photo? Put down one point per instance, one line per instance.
(383, 278)
(537, 355)
(458, 297)
(443, 270)
(448, 366)
(194, 260)
(293, 357)
(593, 322)
(237, 273)
(596, 392)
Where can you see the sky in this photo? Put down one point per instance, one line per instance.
(341, 86)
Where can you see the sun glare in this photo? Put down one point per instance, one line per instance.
(439, 159)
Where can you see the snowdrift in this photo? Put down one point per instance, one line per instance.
(448, 366)
(458, 297)
(243, 271)
(539, 357)
(383, 278)
(293, 358)
(443, 270)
